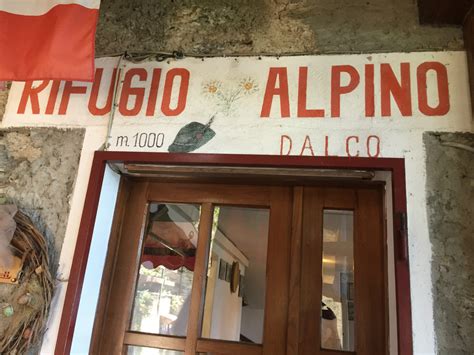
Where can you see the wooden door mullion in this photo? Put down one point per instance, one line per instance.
(278, 272)
(369, 272)
(199, 278)
(295, 272)
(311, 266)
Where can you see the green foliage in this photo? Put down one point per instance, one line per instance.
(143, 305)
(176, 303)
(144, 301)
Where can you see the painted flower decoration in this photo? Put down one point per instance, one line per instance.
(249, 86)
(211, 88)
(226, 95)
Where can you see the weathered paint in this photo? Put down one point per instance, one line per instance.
(345, 105)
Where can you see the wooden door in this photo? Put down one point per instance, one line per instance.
(343, 296)
(150, 220)
(325, 276)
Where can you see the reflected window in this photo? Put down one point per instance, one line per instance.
(163, 291)
(337, 308)
(236, 276)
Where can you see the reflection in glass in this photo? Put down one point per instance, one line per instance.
(338, 313)
(236, 276)
(165, 277)
(139, 350)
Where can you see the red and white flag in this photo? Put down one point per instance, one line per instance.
(47, 39)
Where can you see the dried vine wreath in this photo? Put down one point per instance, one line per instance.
(32, 296)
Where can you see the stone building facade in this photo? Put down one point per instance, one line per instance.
(40, 165)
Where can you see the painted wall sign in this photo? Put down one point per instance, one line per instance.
(345, 105)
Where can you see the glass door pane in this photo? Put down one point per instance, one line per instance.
(338, 313)
(140, 350)
(163, 290)
(236, 277)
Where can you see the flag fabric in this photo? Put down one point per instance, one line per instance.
(47, 39)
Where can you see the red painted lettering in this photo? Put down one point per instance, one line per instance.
(326, 146)
(337, 89)
(348, 139)
(68, 90)
(182, 95)
(155, 83)
(30, 93)
(375, 139)
(128, 91)
(303, 111)
(53, 96)
(401, 91)
(286, 138)
(274, 75)
(93, 109)
(443, 89)
(369, 91)
(307, 145)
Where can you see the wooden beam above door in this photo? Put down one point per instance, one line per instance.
(443, 12)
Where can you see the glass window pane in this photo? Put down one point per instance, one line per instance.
(165, 278)
(338, 313)
(236, 276)
(140, 350)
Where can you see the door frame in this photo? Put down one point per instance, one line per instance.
(394, 165)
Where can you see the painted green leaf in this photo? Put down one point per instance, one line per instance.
(191, 137)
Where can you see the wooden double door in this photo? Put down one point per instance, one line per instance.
(197, 268)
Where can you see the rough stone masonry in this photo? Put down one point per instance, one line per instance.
(450, 189)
